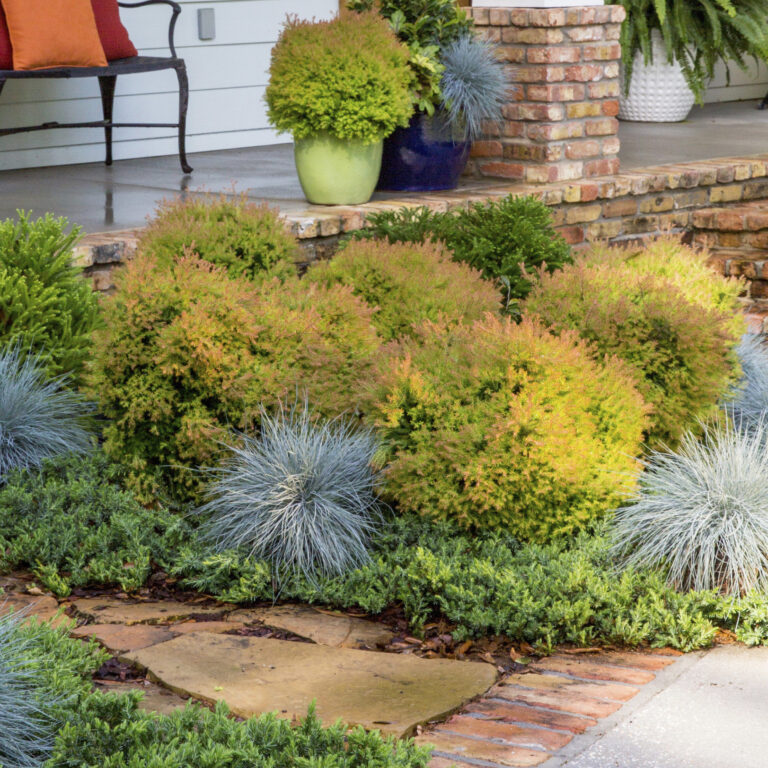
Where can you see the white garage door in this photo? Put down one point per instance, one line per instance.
(227, 79)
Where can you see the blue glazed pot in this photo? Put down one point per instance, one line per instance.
(422, 157)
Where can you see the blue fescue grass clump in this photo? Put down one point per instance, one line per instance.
(702, 512)
(749, 404)
(26, 724)
(39, 416)
(301, 495)
(474, 86)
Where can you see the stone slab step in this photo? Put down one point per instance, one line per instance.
(390, 692)
(114, 611)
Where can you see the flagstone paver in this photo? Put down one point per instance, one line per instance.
(36, 607)
(526, 718)
(120, 638)
(114, 611)
(390, 692)
(323, 627)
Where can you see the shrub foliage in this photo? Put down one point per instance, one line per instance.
(47, 308)
(190, 352)
(248, 239)
(39, 417)
(72, 524)
(681, 355)
(747, 403)
(408, 283)
(348, 77)
(504, 426)
(506, 240)
(301, 495)
(701, 512)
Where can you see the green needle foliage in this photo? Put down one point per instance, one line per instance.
(506, 240)
(73, 525)
(46, 307)
(697, 34)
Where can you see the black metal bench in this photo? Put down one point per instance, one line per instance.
(107, 80)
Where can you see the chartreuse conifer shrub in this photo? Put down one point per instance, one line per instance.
(681, 354)
(700, 512)
(247, 238)
(301, 495)
(47, 308)
(507, 240)
(687, 269)
(408, 283)
(507, 427)
(348, 77)
(190, 352)
(39, 416)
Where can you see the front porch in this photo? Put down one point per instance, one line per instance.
(101, 199)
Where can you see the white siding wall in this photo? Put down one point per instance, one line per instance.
(744, 85)
(227, 80)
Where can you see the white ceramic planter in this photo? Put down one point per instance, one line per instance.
(658, 91)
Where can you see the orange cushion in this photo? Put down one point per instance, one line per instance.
(53, 33)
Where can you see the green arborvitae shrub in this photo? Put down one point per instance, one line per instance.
(504, 426)
(246, 238)
(46, 307)
(687, 269)
(73, 525)
(506, 240)
(681, 354)
(348, 77)
(190, 352)
(408, 283)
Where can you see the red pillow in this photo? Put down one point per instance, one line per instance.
(6, 52)
(114, 36)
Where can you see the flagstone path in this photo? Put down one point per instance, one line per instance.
(211, 651)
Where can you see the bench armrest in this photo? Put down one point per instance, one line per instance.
(175, 11)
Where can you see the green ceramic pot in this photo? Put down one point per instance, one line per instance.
(337, 171)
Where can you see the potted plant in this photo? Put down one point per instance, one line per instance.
(459, 83)
(339, 87)
(669, 50)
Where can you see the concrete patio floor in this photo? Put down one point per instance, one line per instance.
(121, 197)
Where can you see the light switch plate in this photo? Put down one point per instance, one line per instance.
(206, 23)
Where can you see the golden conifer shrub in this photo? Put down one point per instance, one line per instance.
(506, 426)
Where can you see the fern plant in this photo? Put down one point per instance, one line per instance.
(39, 417)
(301, 495)
(27, 725)
(696, 33)
(702, 512)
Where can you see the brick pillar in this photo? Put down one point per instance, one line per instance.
(560, 122)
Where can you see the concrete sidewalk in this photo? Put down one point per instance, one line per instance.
(708, 710)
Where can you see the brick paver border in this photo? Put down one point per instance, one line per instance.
(527, 717)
